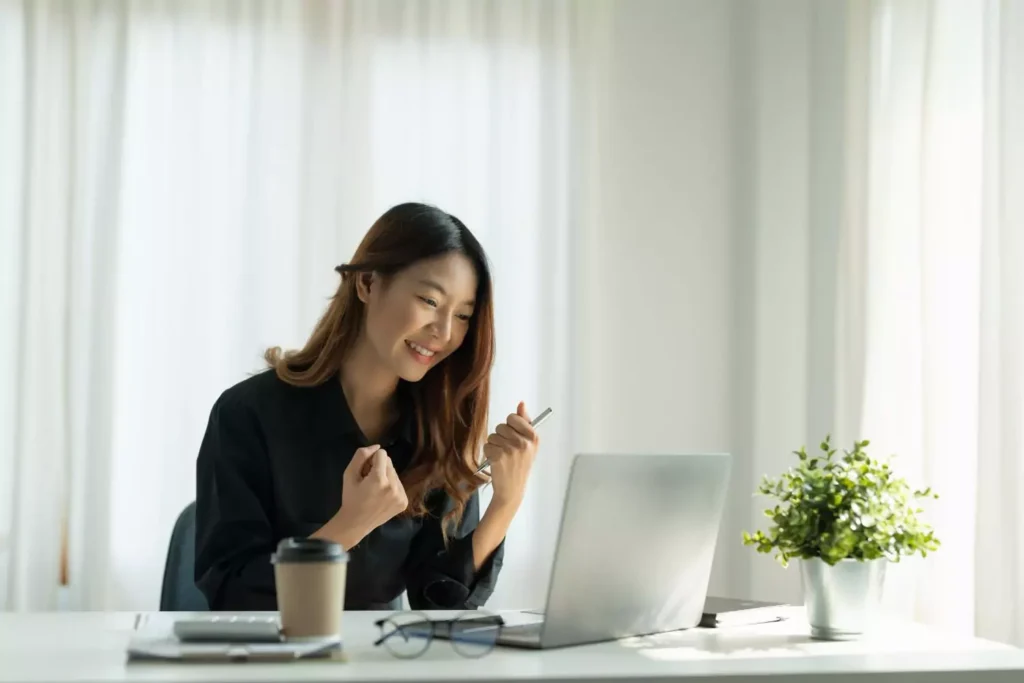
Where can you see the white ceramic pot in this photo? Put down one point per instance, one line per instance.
(842, 600)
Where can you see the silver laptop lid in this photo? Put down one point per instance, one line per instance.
(636, 542)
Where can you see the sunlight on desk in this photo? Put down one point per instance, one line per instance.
(791, 638)
(679, 654)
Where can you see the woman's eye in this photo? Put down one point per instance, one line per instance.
(464, 317)
(428, 301)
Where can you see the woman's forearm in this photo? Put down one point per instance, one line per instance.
(491, 530)
(342, 531)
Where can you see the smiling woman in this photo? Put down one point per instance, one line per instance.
(369, 435)
(393, 307)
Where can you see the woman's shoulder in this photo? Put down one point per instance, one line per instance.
(254, 388)
(265, 393)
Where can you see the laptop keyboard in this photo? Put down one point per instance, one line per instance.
(522, 631)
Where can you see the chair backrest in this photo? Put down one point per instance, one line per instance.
(179, 591)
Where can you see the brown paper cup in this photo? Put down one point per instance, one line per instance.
(310, 577)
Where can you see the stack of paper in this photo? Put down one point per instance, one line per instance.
(154, 639)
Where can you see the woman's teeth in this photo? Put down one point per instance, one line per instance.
(420, 349)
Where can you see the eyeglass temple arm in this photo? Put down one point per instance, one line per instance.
(400, 629)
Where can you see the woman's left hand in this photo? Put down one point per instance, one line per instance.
(511, 450)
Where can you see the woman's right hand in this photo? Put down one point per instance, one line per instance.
(371, 494)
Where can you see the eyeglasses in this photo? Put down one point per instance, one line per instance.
(409, 634)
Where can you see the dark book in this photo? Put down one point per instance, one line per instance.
(722, 612)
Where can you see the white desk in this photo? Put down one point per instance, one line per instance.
(91, 647)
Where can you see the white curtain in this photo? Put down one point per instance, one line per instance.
(999, 552)
(942, 231)
(177, 181)
(879, 250)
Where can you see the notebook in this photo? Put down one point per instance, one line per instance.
(723, 612)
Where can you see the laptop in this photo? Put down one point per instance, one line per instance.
(635, 546)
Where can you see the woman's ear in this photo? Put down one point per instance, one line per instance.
(364, 281)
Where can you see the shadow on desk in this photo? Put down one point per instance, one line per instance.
(702, 644)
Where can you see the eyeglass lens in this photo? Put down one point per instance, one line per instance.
(475, 635)
(406, 634)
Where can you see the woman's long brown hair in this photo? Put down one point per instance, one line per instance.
(451, 400)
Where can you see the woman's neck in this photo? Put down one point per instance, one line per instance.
(369, 391)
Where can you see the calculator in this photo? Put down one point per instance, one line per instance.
(228, 628)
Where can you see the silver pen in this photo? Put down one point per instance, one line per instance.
(536, 423)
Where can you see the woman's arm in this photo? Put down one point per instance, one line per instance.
(463, 575)
(234, 494)
(491, 531)
(511, 450)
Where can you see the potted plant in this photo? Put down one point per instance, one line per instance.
(845, 518)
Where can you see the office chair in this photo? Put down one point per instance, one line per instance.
(179, 591)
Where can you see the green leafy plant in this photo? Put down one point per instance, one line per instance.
(850, 506)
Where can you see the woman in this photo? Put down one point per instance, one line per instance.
(370, 435)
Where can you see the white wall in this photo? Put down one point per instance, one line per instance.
(718, 151)
(655, 281)
(657, 274)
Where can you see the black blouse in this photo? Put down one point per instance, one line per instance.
(271, 466)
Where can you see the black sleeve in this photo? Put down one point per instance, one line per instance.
(443, 578)
(234, 537)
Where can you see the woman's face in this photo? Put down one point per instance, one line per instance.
(418, 317)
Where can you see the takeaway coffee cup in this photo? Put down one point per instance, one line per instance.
(310, 577)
